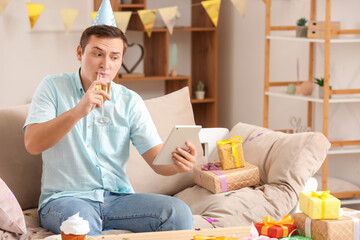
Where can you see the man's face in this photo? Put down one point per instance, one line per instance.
(106, 53)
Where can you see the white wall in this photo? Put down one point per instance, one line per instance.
(241, 72)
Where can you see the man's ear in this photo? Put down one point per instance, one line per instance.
(78, 53)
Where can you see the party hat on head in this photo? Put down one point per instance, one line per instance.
(105, 15)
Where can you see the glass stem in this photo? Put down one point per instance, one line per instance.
(102, 110)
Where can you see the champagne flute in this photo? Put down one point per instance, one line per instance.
(102, 120)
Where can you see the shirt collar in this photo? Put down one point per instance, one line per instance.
(78, 83)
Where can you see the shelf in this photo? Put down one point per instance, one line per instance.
(117, 79)
(350, 201)
(131, 6)
(344, 150)
(314, 99)
(206, 100)
(298, 39)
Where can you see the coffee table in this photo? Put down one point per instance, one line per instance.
(180, 235)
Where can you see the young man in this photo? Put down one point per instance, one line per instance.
(84, 164)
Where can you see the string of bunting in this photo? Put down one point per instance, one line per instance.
(169, 14)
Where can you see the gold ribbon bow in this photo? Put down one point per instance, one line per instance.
(233, 141)
(269, 222)
(322, 197)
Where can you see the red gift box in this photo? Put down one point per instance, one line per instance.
(268, 227)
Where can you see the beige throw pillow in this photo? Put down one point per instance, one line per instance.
(11, 215)
(166, 111)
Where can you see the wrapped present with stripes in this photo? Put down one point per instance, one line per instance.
(215, 179)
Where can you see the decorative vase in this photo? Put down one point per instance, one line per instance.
(301, 31)
(321, 91)
(200, 94)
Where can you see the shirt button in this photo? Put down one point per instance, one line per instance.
(89, 126)
(88, 145)
(103, 176)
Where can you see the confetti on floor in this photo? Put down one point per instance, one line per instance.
(210, 220)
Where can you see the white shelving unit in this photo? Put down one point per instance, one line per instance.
(333, 96)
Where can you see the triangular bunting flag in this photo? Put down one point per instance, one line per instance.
(212, 8)
(240, 6)
(169, 16)
(264, 1)
(93, 15)
(105, 15)
(147, 17)
(3, 4)
(122, 20)
(34, 11)
(68, 16)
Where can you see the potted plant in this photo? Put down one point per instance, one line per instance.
(301, 29)
(320, 82)
(200, 93)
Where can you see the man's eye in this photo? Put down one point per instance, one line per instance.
(115, 58)
(97, 54)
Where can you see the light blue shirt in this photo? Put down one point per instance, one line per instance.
(90, 158)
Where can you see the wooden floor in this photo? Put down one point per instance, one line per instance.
(237, 232)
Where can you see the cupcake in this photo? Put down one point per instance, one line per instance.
(74, 228)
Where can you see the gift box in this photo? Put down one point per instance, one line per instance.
(212, 177)
(296, 237)
(268, 227)
(344, 228)
(231, 153)
(319, 205)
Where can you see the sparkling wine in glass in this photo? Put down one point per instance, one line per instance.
(102, 120)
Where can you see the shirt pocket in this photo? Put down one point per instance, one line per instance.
(114, 141)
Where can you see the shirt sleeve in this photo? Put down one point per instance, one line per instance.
(43, 105)
(143, 132)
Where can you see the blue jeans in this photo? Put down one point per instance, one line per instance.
(136, 212)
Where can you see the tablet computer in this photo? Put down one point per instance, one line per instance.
(177, 138)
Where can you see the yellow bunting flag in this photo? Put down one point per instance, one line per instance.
(169, 16)
(34, 11)
(264, 1)
(147, 17)
(240, 6)
(3, 4)
(122, 20)
(68, 16)
(93, 15)
(212, 8)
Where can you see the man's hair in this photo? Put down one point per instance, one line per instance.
(102, 31)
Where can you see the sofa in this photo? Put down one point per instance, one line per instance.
(285, 161)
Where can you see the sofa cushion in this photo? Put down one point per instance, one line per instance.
(11, 216)
(166, 111)
(285, 161)
(20, 170)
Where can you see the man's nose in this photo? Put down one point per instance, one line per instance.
(105, 63)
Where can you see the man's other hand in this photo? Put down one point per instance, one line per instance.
(184, 159)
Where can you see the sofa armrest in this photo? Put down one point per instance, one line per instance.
(209, 137)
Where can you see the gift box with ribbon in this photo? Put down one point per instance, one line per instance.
(296, 237)
(231, 153)
(270, 228)
(319, 205)
(212, 177)
(345, 228)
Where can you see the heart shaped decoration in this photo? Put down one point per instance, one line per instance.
(142, 54)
